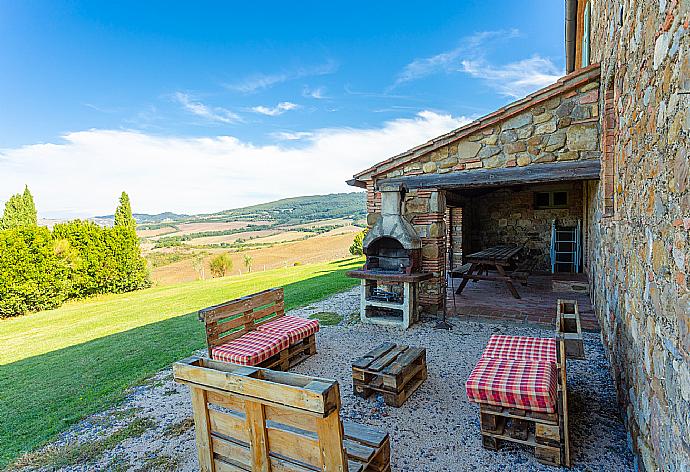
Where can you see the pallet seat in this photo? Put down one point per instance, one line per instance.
(252, 348)
(253, 419)
(254, 331)
(526, 385)
(294, 327)
(521, 348)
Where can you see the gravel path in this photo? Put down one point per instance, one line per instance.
(437, 429)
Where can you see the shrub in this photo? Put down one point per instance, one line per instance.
(220, 265)
(32, 276)
(356, 248)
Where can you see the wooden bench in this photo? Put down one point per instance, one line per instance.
(523, 270)
(254, 419)
(234, 328)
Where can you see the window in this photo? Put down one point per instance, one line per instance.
(585, 35)
(582, 38)
(555, 199)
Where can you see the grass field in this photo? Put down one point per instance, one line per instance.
(58, 366)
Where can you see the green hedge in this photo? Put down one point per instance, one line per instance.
(40, 270)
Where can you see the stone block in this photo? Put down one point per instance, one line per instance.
(372, 218)
(523, 160)
(564, 109)
(517, 121)
(545, 128)
(430, 251)
(566, 156)
(512, 148)
(468, 149)
(542, 118)
(582, 137)
(417, 205)
(509, 136)
(448, 162)
(429, 167)
(552, 103)
(493, 162)
(525, 132)
(491, 139)
(488, 151)
(555, 141)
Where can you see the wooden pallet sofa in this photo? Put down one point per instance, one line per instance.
(520, 385)
(254, 419)
(254, 331)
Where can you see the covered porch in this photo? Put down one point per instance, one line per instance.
(542, 213)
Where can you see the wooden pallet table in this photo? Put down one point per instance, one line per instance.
(393, 370)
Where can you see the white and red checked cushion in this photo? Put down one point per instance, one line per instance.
(521, 348)
(527, 385)
(251, 348)
(295, 327)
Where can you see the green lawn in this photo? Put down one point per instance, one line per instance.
(59, 366)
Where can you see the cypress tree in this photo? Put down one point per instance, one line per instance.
(123, 214)
(19, 211)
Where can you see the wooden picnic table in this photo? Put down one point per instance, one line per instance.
(497, 257)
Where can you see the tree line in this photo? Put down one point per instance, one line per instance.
(40, 268)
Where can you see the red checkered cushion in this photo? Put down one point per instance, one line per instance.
(252, 348)
(527, 385)
(521, 348)
(295, 327)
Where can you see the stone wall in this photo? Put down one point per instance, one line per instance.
(509, 216)
(563, 128)
(640, 254)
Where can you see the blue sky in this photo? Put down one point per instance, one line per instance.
(258, 100)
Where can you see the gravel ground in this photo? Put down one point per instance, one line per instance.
(437, 428)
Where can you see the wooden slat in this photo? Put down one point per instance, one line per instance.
(404, 360)
(277, 309)
(364, 361)
(294, 445)
(232, 452)
(330, 431)
(364, 434)
(202, 429)
(230, 425)
(228, 401)
(383, 361)
(358, 451)
(272, 389)
(290, 418)
(258, 436)
(222, 466)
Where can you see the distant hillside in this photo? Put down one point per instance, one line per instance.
(144, 218)
(286, 211)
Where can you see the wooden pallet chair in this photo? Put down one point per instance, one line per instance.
(520, 384)
(254, 330)
(255, 419)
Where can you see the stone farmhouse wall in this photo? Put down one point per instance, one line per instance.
(559, 123)
(641, 252)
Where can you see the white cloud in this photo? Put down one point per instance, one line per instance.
(516, 79)
(197, 108)
(292, 135)
(85, 174)
(470, 47)
(317, 93)
(279, 109)
(260, 81)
